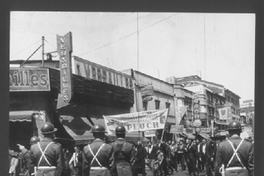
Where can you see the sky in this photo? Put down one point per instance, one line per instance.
(219, 48)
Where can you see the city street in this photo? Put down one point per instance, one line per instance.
(179, 173)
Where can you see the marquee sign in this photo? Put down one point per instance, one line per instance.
(64, 44)
(29, 79)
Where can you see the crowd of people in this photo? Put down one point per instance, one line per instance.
(214, 155)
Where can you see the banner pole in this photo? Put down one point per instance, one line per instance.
(161, 139)
(164, 126)
(137, 107)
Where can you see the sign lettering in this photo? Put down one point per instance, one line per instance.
(65, 49)
(138, 121)
(29, 79)
(97, 72)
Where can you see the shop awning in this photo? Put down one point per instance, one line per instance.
(79, 128)
(20, 116)
(204, 135)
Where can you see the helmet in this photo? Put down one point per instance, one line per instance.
(34, 140)
(98, 129)
(234, 125)
(120, 129)
(48, 128)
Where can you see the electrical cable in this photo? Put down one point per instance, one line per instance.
(136, 32)
(25, 49)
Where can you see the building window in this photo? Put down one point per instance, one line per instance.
(168, 106)
(157, 104)
(145, 105)
(78, 70)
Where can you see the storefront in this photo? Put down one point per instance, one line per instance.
(34, 99)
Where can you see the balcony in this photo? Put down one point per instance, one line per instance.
(210, 103)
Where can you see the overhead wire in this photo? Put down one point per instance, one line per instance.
(136, 32)
(25, 49)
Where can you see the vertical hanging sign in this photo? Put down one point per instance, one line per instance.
(196, 111)
(64, 44)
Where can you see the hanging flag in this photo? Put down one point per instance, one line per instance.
(137, 121)
(180, 111)
(225, 114)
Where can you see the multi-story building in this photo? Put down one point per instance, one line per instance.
(211, 97)
(162, 97)
(184, 98)
(232, 99)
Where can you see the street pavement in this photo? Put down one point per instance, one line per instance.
(179, 173)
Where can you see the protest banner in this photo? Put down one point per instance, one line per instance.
(137, 121)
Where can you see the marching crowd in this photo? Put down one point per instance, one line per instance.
(214, 155)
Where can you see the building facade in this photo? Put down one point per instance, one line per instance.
(211, 98)
(153, 94)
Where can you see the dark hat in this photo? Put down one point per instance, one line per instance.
(48, 128)
(120, 129)
(98, 129)
(34, 140)
(234, 125)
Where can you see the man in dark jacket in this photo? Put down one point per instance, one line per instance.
(141, 154)
(235, 155)
(163, 147)
(210, 156)
(190, 154)
(181, 154)
(124, 153)
(151, 154)
(46, 155)
(97, 156)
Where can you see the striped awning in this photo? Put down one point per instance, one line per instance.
(20, 116)
(79, 128)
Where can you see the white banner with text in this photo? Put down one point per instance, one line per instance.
(137, 121)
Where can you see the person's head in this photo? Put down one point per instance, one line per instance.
(173, 143)
(169, 142)
(149, 143)
(187, 140)
(48, 130)
(120, 131)
(98, 132)
(34, 140)
(203, 140)
(158, 151)
(234, 127)
(139, 143)
(76, 148)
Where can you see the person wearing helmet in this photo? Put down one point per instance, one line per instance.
(46, 155)
(98, 155)
(234, 156)
(124, 153)
(34, 140)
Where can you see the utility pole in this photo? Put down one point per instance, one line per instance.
(43, 51)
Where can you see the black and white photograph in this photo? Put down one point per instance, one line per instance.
(131, 93)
